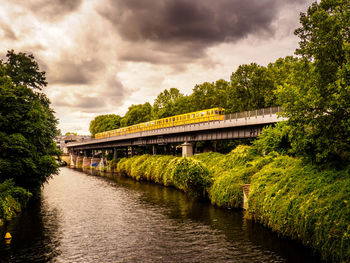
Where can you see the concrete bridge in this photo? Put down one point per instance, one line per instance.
(246, 124)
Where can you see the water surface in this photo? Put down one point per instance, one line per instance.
(82, 217)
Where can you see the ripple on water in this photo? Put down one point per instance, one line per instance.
(85, 218)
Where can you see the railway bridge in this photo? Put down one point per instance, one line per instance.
(246, 124)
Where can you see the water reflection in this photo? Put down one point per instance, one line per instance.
(83, 217)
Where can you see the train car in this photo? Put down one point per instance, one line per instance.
(213, 114)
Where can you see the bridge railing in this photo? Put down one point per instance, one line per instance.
(253, 113)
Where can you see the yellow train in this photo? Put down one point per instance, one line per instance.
(177, 120)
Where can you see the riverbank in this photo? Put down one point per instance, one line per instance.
(293, 198)
(12, 200)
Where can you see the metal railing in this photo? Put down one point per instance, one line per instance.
(253, 113)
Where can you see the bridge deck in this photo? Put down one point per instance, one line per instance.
(242, 119)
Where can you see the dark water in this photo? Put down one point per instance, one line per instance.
(87, 218)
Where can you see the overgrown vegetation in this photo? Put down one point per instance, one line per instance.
(186, 174)
(12, 199)
(298, 200)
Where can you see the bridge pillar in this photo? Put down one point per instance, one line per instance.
(131, 151)
(73, 160)
(154, 149)
(115, 153)
(94, 162)
(102, 164)
(187, 149)
(79, 162)
(86, 162)
(245, 195)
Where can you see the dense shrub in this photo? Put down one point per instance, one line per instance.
(12, 199)
(230, 172)
(297, 200)
(185, 174)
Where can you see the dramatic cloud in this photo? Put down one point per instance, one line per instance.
(51, 9)
(6, 31)
(187, 28)
(69, 71)
(101, 56)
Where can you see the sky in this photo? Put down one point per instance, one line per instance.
(102, 56)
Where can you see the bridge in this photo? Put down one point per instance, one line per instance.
(246, 124)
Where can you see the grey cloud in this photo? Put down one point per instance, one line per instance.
(110, 94)
(191, 25)
(79, 101)
(51, 9)
(7, 31)
(114, 92)
(68, 71)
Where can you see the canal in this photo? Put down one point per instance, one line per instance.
(83, 217)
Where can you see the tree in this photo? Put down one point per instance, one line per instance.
(317, 99)
(103, 123)
(27, 127)
(168, 103)
(24, 70)
(70, 133)
(251, 88)
(209, 95)
(137, 114)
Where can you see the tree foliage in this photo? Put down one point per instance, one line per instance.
(209, 95)
(24, 70)
(168, 103)
(136, 114)
(27, 124)
(103, 123)
(251, 88)
(316, 97)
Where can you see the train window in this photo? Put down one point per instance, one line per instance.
(219, 112)
(188, 116)
(208, 112)
(197, 114)
(166, 120)
(174, 119)
(212, 111)
(216, 111)
(192, 115)
(202, 113)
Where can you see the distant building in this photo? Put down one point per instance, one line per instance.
(62, 140)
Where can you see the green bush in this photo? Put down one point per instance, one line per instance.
(185, 174)
(297, 200)
(12, 199)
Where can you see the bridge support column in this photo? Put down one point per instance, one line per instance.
(245, 195)
(131, 151)
(87, 162)
(79, 162)
(94, 162)
(187, 149)
(115, 153)
(73, 160)
(154, 149)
